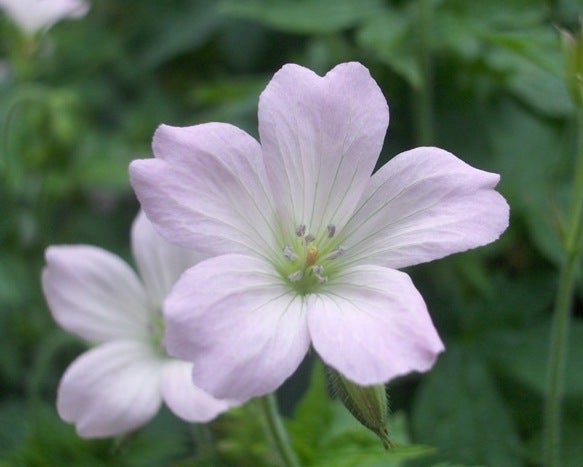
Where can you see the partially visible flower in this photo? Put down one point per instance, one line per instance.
(119, 384)
(33, 16)
(306, 243)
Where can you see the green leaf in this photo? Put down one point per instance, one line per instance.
(13, 426)
(533, 158)
(459, 411)
(460, 25)
(182, 31)
(523, 355)
(389, 37)
(49, 441)
(532, 62)
(571, 451)
(304, 16)
(514, 301)
(313, 416)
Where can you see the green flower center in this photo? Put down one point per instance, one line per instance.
(308, 261)
(156, 330)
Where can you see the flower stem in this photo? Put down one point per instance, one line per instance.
(424, 91)
(561, 318)
(204, 446)
(268, 405)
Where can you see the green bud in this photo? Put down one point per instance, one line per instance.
(573, 52)
(368, 404)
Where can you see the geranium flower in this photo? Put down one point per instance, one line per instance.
(306, 243)
(32, 16)
(119, 384)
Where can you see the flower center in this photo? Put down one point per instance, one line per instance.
(308, 260)
(156, 332)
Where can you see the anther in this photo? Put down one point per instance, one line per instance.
(301, 230)
(309, 238)
(295, 276)
(318, 269)
(335, 253)
(331, 230)
(289, 253)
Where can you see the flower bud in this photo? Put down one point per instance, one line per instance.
(573, 52)
(368, 404)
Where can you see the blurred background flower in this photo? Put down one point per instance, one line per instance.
(33, 16)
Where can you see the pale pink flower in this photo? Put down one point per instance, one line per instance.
(306, 243)
(33, 16)
(119, 384)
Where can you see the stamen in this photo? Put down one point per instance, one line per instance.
(318, 269)
(309, 238)
(289, 253)
(331, 230)
(301, 230)
(335, 253)
(295, 276)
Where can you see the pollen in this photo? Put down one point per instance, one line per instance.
(311, 255)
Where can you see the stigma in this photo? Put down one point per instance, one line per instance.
(311, 255)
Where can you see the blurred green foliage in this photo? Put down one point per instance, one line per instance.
(82, 100)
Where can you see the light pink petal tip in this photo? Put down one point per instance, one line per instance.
(94, 294)
(321, 138)
(110, 390)
(206, 189)
(372, 326)
(235, 320)
(186, 400)
(423, 205)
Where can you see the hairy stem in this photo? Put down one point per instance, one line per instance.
(278, 432)
(562, 315)
(202, 439)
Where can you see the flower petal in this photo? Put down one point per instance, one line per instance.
(94, 294)
(111, 389)
(423, 205)
(237, 321)
(372, 325)
(206, 189)
(321, 138)
(159, 262)
(186, 400)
